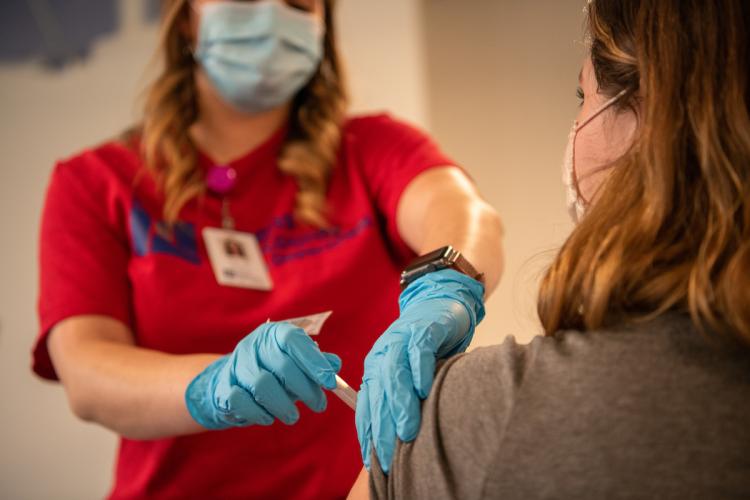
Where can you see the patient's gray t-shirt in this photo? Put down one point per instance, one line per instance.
(654, 411)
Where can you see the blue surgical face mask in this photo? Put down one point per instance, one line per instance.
(258, 55)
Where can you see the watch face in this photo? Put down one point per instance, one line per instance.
(431, 262)
(443, 258)
(432, 257)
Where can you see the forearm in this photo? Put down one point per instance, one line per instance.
(443, 207)
(135, 392)
(361, 488)
(473, 228)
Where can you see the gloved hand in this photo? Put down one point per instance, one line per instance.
(439, 313)
(260, 381)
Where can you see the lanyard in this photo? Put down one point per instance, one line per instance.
(221, 180)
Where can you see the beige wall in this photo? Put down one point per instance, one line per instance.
(45, 452)
(383, 45)
(491, 79)
(502, 77)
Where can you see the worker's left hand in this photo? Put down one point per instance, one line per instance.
(439, 313)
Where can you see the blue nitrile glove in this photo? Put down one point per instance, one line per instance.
(439, 313)
(260, 381)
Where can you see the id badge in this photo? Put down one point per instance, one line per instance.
(236, 259)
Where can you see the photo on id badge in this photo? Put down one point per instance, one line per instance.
(236, 259)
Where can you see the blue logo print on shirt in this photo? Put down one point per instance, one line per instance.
(149, 237)
(281, 242)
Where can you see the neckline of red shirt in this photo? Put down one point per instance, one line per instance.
(269, 148)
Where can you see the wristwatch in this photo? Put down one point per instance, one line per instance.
(442, 258)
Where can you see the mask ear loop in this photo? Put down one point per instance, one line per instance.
(578, 128)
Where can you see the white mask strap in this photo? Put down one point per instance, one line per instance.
(601, 110)
(575, 179)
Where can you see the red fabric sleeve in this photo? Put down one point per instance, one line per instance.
(84, 252)
(392, 154)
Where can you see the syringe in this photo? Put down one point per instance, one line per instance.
(345, 393)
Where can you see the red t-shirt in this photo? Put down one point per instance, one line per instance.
(104, 251)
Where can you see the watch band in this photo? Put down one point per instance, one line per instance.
(442, 258)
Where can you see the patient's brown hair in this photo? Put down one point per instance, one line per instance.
(671, 228)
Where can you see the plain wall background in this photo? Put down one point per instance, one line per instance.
(502, 79)
(493, 80)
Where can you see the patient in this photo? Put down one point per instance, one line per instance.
(641, 388)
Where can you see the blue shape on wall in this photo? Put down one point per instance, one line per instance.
(58, 32)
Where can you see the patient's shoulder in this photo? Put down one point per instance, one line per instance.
(572, 402)
(463, 421)
(485, 382)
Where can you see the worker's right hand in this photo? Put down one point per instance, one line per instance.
(260, 381)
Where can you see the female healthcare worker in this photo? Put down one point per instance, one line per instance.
(246, 198)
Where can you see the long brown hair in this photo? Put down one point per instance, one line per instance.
(672, 229)
(311, 146)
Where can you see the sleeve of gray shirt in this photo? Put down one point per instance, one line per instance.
(439, 462)
(653, 410)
